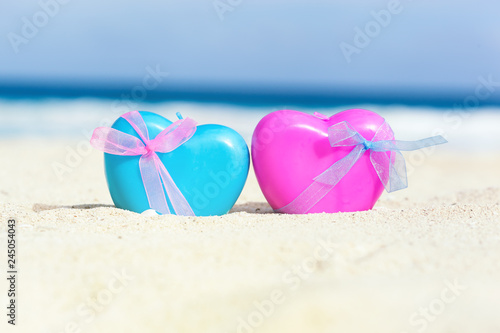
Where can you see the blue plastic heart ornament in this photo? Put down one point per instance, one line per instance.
(172, 167)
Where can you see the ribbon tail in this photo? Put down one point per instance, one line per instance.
(152, 183)
(391, 169)
(397, 174)
(178, 201)
(390, 164)
(419, 144)
(408, 145)
(323, 184)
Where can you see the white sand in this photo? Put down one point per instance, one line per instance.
(353, 272)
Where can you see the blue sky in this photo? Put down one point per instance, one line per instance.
(427, 44)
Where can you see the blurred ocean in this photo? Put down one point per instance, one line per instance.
(70, 66)
(74, 119)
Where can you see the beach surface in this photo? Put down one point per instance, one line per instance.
(425, 259)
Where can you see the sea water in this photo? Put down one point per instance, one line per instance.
(470, 129)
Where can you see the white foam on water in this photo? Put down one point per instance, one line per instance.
(476, 130)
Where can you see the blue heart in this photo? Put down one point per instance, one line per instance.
(210, 169)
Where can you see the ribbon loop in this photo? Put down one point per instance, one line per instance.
(155, 177)
(385, 156)
(174, 135)
(115, 142)
(342, 135)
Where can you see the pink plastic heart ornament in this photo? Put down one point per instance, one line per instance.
(290, 149)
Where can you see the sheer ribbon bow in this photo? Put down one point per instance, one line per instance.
(385, 156)
(154, 174)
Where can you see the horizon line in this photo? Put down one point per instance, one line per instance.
(251, 95)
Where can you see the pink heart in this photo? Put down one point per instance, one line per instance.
(291, 148)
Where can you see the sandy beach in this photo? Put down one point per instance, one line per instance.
(425, 259)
